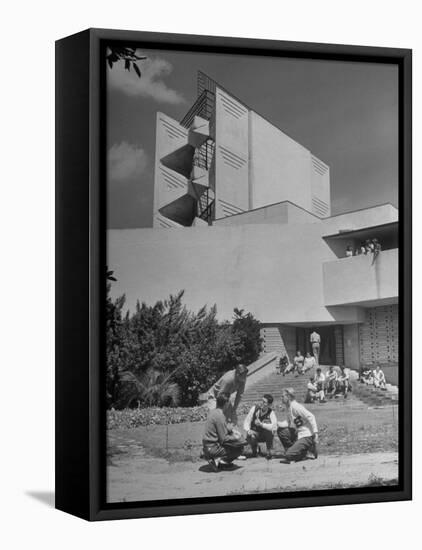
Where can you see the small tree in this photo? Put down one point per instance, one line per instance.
(247, 330)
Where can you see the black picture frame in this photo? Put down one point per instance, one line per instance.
(80, 281)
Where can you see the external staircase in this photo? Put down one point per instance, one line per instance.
(274, 384)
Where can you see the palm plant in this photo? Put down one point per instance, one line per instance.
(151, 388)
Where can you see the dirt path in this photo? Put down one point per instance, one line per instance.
(136, 476)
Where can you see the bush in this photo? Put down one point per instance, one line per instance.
(167, 355)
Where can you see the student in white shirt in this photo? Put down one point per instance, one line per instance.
(260, 426)
(309, 362)
(331, 381)
(315, 339)
(343, 382)
(298, 361)
(300, 435)
(379, 378)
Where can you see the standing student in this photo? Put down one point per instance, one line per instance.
(315, 339)
(300, 435)
(260, 425)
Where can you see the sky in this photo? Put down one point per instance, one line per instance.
(346, 113)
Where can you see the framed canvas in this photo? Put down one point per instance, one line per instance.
(233, 274)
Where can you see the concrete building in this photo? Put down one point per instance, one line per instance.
(255, 231)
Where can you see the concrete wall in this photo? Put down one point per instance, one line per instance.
(320, 188)
(360, 279)
(255, 267)
(283, 212)
(360, 219)
(168, 185)
(231, 166)
(351, 346)
(280, 168)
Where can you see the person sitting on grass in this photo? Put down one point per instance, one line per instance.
(298, 361)
(260, 425)
(299, 435)
(379, 378)
(309, 362)
(331, 382)
(343, 382)
(221, 444)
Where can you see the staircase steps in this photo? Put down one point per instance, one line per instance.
(275, 383)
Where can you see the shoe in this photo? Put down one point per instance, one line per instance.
(284, 461)
(241, 457)
(214, 465)
(269, 456)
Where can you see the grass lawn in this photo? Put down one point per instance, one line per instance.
(343, 428)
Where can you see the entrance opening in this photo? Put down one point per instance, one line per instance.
(331, 347)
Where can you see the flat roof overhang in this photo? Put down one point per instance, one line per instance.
(365, 232)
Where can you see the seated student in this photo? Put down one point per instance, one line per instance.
(363, 248)
(309, 362)
(283, 364)
(365, 375)
(298, 361)
(311, 391)
(319, 379)
(289, 368)
(221, 445)
(260, 426)
(343, 382)
(299, 435)
(379, 378)
(349, 251)
(331, 381)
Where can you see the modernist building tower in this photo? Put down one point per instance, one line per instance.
(224, 159)
(242, 218)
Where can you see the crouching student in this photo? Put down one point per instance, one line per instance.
(220, 443)
(299, 435)
(313, 393)
(260, 426)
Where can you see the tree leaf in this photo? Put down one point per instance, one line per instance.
(137, 71)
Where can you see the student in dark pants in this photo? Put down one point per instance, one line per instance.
(221, 445)
(260, 425)
(300, 434)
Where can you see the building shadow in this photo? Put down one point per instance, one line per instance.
(45, 497)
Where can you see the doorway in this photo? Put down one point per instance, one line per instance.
(327, 352)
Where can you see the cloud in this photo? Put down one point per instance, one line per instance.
(150, 85)
(126, 161)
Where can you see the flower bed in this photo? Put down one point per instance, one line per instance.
(132, 418)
